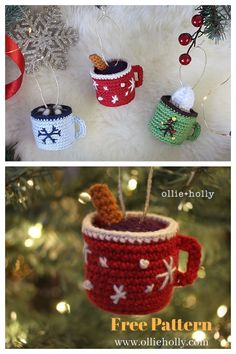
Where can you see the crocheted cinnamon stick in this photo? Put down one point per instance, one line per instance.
(108, 211)
(98, 62)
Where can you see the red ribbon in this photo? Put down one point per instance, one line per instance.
(13, 51)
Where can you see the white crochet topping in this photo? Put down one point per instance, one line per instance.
(183, 98)
(166, 233)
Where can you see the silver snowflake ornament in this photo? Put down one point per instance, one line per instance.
(44, 38)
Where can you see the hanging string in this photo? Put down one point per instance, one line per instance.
(203, 70)
(57, 84)
(104, 16)
(120, 192)
(204, 99)
(148, 194)
(40, 89)
(190, 179)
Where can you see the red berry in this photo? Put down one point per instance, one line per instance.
(197, 20)
(185, 38)
(185, 59)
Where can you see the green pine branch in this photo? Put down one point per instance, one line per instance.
(217, 20)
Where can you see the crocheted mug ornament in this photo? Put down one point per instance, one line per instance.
(55, 127)
(131, 265)
(174, 120)
(116, 81)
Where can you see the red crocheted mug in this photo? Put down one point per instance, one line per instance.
(134, 273)
(115, 86)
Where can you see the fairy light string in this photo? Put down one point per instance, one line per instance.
(204, 99)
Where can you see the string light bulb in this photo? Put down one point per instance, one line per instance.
(63, 307)
(84, 198)
(224, 343)
(201, 273)
(199, 336)
(35, 231)
(222, 310)
(13, 316)
(132, 184)
(30, 183)
(28, 242)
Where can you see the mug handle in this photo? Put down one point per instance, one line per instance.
(193, 248)
(139, 70)
(196, 132)
(82, 131)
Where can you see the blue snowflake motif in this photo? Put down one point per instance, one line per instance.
(49, 135)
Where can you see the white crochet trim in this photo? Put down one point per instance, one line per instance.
(111, 76)
(127, 236)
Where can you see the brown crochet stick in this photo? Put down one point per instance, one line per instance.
(98, 62)
(108, 211)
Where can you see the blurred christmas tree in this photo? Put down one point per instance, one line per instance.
(46, 304)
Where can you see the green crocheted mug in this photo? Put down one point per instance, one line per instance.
(173, 125)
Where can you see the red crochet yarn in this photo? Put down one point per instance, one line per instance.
(118, 89)
(137, 278)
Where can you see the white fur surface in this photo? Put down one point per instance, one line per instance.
(148, 36)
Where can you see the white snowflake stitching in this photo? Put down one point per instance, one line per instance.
(87, 285)
(95, 84)
(86, 252)
(114, 99)
(132, 85)
(103, 262)
(168, 275)
(149, 288)
(119, 294)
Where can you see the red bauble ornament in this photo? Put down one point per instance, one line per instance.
(185, 38)
(197, 20)
(185, 59)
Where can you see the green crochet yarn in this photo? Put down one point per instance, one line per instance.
(172, 125)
